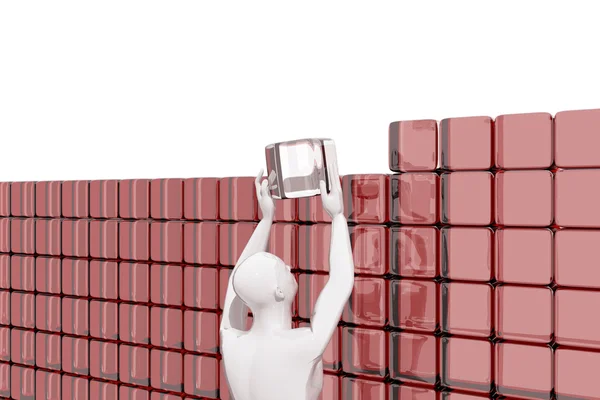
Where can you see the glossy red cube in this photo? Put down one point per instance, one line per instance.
(400, 392)
(365, 198)
(574, 258)
(134, 282)
(47, 351)
(104, 199)
(224, 276)
(48, 199)
(5, 269)
(166, 284)
(286, 210)
(283, 242)
(237, 199)
(22, 273)
(75, 316)
(201, 198)
(75, 198)
(575, 322)
(524, 313)
(22, 199)
(75, 238)
(332, 360)
(132, 393)
(5, 307)
(576, 198)
(201, 242)
(467, 253)
(466, 143)
(524, 198)
(166, 326)
(104, 279)
(75, 277)
(309, 289)
(200, 287)
(414, 198)
(314, 242)
(466, 198)
(5, 199)
(466, 308)
(22, 383)
(331, 388)
(75, 387)
(75, 355)
(367, 303)
(103, 390)
(576, 138)
(48, 385)
(104, 241)
(23, 346)
(413, 357)
(134, 365)
(5, 348)
(48, 313)
(523, 141)
(22, 310)
(414, 251)
(466, 363)
(134, 198)
(168, 373)
(166, 241)
(310, 209)
(163, 396)
(237, 236)
(104, 320)
(5, 235)
(103, 360)
(166, 198)
(201, 376)
(524, 255)
(47, 236)
(134, 323)
(134, 240)
(370, 249)
(525, 371)
(576, 374)
(364, 352)
(413, 145)
(362, 389)
(22, 235)
(201, 331)
(412, 305)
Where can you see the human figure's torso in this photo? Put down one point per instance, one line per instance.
(281, 366)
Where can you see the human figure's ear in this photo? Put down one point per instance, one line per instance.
(279, 296)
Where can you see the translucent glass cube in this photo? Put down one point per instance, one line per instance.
(295, 168)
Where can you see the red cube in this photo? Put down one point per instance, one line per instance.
(575, 258)
(364, 352)
(103, 390)
(163, 396)
(473, 372)
(370, 249)
(201, 243)
(166, 198)
(166, 327)
(23, 346)
(134, 323)
(576, 138)
(201, 198)
(523, 369)
(397, 392)
(134, 282)
(5, 380)
(524, 313)
(412, 305)
(47, 351)
(47, 313)
(103, 279)
(5, 307)
(366, 305)
(5, 349)
(365, 198)
(22, 273)
(134, 240)
(47, 236)
(314, 242)
(75, 316)
(200, 287)
(5, 271)
(166, 239)
(310, 209)
(523, 141)
(309, 289)
(200, 331)
(134, 365)
(413, 145)
(104, 241)
(234, 237)
(466, 309)
(168, 374)
(524, 198)
(201, 376)
(414, 251)
(5, 235)
(574, 326)
(224, 275)
(576, 374)
(134, 198)
(48, 199)
(332, 360)
(104, 199)
(75, 277)
(75, 387)
(22, 199)
(131, 393)
(413, 357)
(48, 385)
(75, 198)
(361, 389)
(22, 310)
(524, 255)
(331, 388)
(466, 143)
(166, 284)
(286, 210)
(22, 235)
(4, 199)
(75, 238)
(414, 198)
(103, 360)
(237, 199)
(105, 321)
(48, 275)
(23, 383)
(467, 253)
(466, 198)
(283, 242)
(75, 355)
(576, 198)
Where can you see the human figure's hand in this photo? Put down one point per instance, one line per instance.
(263, 194)
(333, 202)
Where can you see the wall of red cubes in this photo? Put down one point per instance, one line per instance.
(476, 274)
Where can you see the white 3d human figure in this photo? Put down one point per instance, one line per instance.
(272, 361)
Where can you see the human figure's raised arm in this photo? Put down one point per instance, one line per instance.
(332, 300)
(235, 311)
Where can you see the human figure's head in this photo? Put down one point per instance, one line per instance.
(264, 280)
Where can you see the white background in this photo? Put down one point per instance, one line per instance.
(133, 89)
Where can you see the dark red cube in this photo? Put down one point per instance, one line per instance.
(466, 198)
(467, 253)
(104, 199)
(104, 239)
(314, 242)
(22, 273)
(75, 277)
(367, 303)
(473, 372)
(104, 320)
(413, 145)
(22, 199)
(237, 199)
(286, 210)
(414, 198)
(75, 238)
(525, 255)
(310, 209)
(466, 308)
(47, 351)
(134, 198)
(47, 236)
(75, 316)
(365, 198)
(466, 143)
(522, 369)
(200, 287)
(48, 313)
(134, 323)
(134, 365)
(523, 141)
(414, 251)
(574, 326)
(103, 360)
(75, 199)
(364, 352)
(201, 242)
(166, 240)
(524, 198)
(412, 305)
(22, 235)
(237, 235)
(166, 198)
(370, 249)
(200, 331)
(524, 313)
(134, 240)
(576, 198)
(576, 138)
(201, 198)
(168, 373)
(76, 355)
(201, 376)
